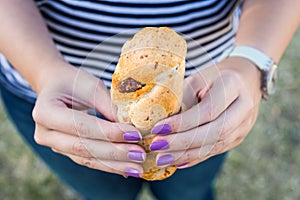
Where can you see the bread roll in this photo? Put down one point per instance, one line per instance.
(147, 86)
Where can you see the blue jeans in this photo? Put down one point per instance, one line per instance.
(192, 183)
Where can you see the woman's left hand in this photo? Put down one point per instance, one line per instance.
(222, 105)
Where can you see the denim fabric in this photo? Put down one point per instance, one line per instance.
(192, 183)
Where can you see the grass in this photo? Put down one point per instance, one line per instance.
(265, 167)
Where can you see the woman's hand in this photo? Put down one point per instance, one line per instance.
(63, 124)
(222, 105)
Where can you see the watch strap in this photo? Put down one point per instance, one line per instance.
(261, 60)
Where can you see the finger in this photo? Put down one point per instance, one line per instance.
(197, 85)
(77, 123)
(222, 93)
(194, 156)
(93, 93)
(207, 134)
(191, 86)
(73, 145)
(179, 157)
(190, 164)
(122, 168)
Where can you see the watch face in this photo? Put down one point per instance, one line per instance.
(272, 80)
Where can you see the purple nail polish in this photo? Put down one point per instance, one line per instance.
(132, 136)
(162, 129)
(136, 155)
(132, 172)
(159, 145)
(165, 160)
(182, 164)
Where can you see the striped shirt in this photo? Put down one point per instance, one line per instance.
(90, 34)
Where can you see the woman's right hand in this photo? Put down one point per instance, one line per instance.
(63, 124)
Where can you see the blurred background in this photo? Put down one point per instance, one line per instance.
(265, 166)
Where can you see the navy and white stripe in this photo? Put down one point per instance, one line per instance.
(90, 34)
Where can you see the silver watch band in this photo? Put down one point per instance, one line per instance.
(263, 62)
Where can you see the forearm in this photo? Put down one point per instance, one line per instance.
(26, 42)
(268, 25)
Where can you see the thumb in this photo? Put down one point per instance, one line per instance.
(94, 93)
(197, 85)
(102, 102)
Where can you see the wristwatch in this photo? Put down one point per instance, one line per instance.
(264, 63)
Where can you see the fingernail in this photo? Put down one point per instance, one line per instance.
(162, 129)
(182, 165)
(132, 136)
(159, 145)
(165, 160)
(136, 155)
(132, 172)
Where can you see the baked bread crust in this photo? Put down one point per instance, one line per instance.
(147, 86)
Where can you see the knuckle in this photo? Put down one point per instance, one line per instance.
(251, 104)
(217, 148)
(38, 115)
(220, 145)
(88, 162)
(208, 111)
(251, 121)
(225, 130)
(240, 140)
(79, 148)
(186, 142)
(111, 136)
(113, 155)
(203, 152)
(188, 155)
(177, 123)
(38, 138)
(81, 129)
(198, 113)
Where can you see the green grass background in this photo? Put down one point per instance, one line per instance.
(265, 167)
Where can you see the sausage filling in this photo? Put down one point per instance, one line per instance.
(130, 85)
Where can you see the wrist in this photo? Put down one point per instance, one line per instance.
(263, 62)
(50, 73)
(247, 72)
